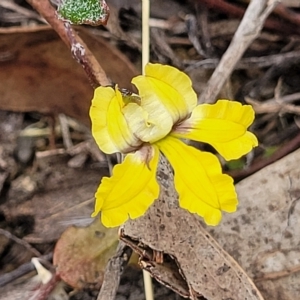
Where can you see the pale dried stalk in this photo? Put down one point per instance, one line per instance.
(145, 32)
(250, 27)
(279, 106)
(113, 273)
(148, 286)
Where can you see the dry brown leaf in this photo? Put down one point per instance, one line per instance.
(263, 235)
(203, 267)
(81, 254)
(37, 73)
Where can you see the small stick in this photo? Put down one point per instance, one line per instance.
(247, 62)
(278, 274)
(113, 272)
(161, 47)
(202, 17)
(20, 242)
(88, 61)
(65, 132)
(148, 286)
(145, 32)
(287, 14)
(21, 10)
(278, 105)
(272, 23)
(249, 29)
(284, 150)
(192, 28)
(22, 270)
(145, 59)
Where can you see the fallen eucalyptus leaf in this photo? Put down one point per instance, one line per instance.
(263, 235)
(81, 254)
(177, 238)
(40, 74)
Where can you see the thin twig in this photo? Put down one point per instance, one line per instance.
(145, 32)
(116, 32)
(145, 59)
(148, 286)
(22, 270)
(113, 272)
(192, 29)
(271, 23)
(21, 242)
(88, 61)
(287, 14)
(245, 63)
(278, 274)
(21, 10)
(65, 131)
(24, 29)
(202, 18)
(249, 29)
(161, 47)
(284, 150)
(276, 105)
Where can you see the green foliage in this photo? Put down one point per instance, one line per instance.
(92, 12)
(235, 164)
(269, 151)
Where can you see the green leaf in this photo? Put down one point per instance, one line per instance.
(269, 151)
(236, 164)
(91, 12)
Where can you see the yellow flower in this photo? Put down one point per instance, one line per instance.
(141, 126)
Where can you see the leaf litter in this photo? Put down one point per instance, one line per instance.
(40, 198)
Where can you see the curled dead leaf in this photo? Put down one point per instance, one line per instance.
(39, 74)
(81, 254)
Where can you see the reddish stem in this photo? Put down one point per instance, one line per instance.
(284, 150)
(271, 22)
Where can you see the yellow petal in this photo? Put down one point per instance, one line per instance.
(144, 126)
(166, 96)
(223, 125)
(172, 87)
(109, 127)
(131, 189)
(201, 186)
